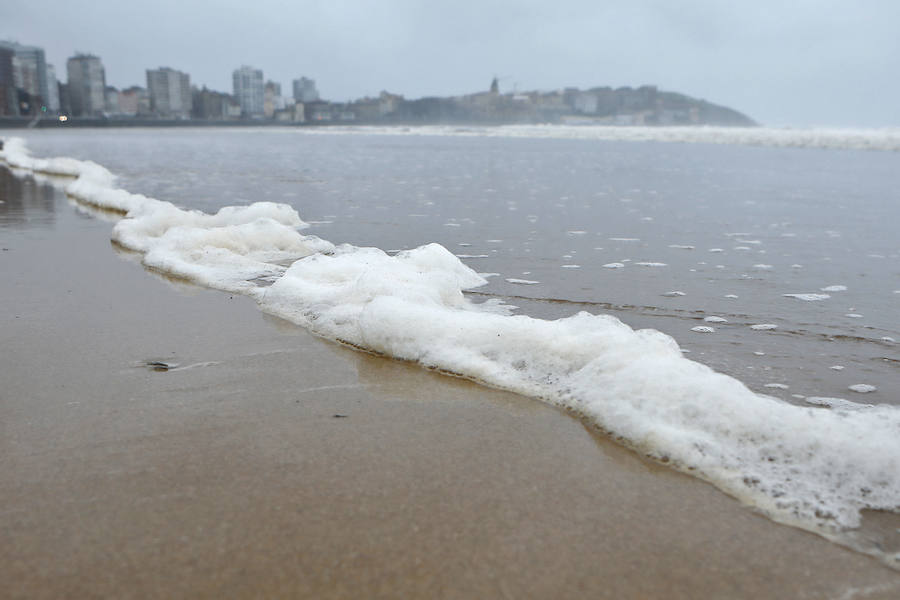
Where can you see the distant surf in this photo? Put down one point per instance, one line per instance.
(815, 467)
(887, 139)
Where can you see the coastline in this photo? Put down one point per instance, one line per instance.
(234, 476)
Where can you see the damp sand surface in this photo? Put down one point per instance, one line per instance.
(160, 440)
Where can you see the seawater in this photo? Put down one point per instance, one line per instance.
(705, 242)
(733, 228)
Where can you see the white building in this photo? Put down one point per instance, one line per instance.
(248, 89)
(87, 85)
(170, 93)
(305, 90)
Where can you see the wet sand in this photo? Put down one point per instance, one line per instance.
(282, 465)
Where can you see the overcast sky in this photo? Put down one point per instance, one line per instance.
(781, 62)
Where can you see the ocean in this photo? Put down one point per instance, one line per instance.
(724, 301)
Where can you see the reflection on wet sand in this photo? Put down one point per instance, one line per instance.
(25, 201)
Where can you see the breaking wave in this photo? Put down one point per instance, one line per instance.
(887, 139)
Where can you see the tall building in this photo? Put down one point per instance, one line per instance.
(25, 76)
(51, 100)
(31, 67)
(9, 105)
(170, 92)
(87, 85)
(305, 90)
(248, 89)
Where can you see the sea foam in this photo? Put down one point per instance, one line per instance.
(814, 468)
(885, 139)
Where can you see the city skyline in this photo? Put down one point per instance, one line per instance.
(26, 78)
(29, 87)
(807, 63)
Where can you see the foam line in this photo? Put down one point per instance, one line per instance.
(886, 139)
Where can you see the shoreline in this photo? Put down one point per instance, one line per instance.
(235, 476)
(885, 140)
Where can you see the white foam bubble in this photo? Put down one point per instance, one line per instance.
(834, 288)
(862, 388)
(651, 264)
(673, 294)
(836, 367)
(613, 265)
(764, 326)
(226, 250)
(777, 386)
(714, 319)
(522, 281)
(703, 329)
(836, 403)
(808, 297)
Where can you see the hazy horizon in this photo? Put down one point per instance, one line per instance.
(813, 63)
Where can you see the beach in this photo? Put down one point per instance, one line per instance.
(166, 440)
